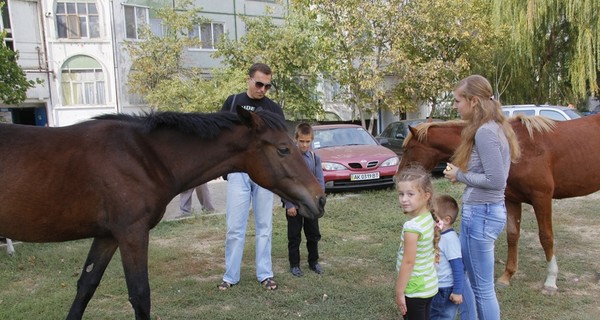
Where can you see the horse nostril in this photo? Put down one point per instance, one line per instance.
(322, 201)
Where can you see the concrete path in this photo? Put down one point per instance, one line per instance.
(218, 195)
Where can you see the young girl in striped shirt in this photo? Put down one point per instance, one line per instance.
(417, 281)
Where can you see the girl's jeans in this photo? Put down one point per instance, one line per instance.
(480, 226)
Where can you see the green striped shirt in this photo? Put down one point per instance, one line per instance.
(423, 282)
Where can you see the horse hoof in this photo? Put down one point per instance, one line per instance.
(549, 291)
(502, 284)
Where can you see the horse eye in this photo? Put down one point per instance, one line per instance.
(283, 151)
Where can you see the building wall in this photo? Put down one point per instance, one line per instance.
(43, 54)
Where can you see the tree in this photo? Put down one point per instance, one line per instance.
(356, 39)
(158, 73)
(555, 49)
(13, 82)
(290, 49)
(440, 42)
(399, 54)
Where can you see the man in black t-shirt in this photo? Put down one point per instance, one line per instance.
(241, 190)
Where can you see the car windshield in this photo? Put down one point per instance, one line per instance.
(337, 137)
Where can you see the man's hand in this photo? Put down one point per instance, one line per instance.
(292, 212)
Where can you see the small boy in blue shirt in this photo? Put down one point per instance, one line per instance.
(454, 288)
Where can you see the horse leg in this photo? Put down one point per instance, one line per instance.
(10, 249)
(513, 232)
(543, 215)
(134, 255)
(98, 258)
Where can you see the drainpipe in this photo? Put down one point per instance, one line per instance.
(115, 60)
(45, 66)
(235, 20)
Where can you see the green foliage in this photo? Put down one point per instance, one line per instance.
(361, 233)
(357, 38)
(290, 50)
(157, 61)
(399, 54)
(553, 49)
(440, 42)
(13, 82)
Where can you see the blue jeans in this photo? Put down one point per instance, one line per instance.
(468, 309)
(480, 226)
(240, 191)
(441, 306)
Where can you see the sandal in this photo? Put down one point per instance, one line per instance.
(225, 285)
(269, 284)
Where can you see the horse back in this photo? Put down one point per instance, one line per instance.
(562, 162)
(65, 183)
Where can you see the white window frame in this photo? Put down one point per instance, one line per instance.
(83, 86)
(198, 31)
(141, 17)
(76, 23)
(8, 39)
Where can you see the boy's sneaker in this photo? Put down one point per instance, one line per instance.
(296, 271)
(316, 268)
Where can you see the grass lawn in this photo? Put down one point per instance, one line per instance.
(358, 251)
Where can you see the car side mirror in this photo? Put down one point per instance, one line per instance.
(383, 141)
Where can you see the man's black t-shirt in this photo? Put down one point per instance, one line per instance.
(249, 104)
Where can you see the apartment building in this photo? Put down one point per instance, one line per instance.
(77, 48)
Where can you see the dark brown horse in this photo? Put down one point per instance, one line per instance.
(559, 160)
(111, 179)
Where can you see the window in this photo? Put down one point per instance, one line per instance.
(135, 18)
(208, 33)
(82, 81)
(157, 28)
(5, 26)
(77, 19)
(554, 115)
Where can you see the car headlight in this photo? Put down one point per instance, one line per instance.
(332, 166)
(390, 162)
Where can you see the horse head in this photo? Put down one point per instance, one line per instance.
(275, 163)
(430, 143)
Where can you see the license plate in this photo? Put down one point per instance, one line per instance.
(364, 176)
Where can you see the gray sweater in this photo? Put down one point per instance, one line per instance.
(488, 167)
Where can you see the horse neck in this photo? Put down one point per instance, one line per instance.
(445, 139)
(193, 161)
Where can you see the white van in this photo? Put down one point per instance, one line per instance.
(553, 112)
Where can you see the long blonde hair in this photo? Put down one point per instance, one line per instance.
(485, 109)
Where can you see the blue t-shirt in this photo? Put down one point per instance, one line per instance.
(449, 250)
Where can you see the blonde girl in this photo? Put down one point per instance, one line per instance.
(481, 162)
(417, 281)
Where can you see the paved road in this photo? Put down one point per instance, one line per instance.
(218, 194)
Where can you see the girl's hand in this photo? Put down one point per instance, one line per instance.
(401, 302)
(450, 172)
(292, 212)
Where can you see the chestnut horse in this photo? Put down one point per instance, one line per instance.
(111, 179)
(559, 160)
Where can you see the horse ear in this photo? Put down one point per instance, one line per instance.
(413, 131)
(245, 116)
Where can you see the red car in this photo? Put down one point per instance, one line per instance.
(352, 158)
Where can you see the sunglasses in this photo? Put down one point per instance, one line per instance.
(259, 84)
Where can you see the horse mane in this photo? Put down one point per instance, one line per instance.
(535, 123)
(423, 128)
(531, 123)
(204, 125)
